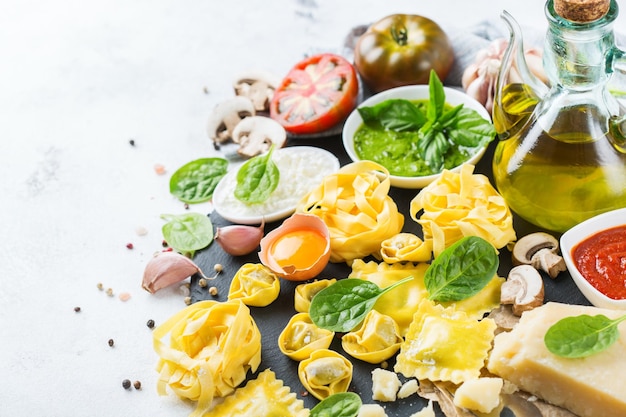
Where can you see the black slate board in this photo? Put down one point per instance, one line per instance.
(271, 320)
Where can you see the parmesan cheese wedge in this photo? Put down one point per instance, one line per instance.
(589, 387)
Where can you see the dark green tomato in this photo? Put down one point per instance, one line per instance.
(401, 49)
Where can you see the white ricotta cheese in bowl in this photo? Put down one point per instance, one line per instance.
(302, 168)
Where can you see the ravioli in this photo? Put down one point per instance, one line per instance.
(264, 396)
(444, 344)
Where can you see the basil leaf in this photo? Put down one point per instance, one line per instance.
(341, 306)
(437, 99)
(581, 336)
(462, 270)
(195, 181)
(341, 404)
(187, 233)
(435, 149)
(257, 179)
(470, 129)
(394, 114)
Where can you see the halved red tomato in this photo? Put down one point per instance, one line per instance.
(318, 93)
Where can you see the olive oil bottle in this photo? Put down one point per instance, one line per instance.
(561, 155)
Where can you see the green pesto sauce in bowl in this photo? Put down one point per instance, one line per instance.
(397, 151)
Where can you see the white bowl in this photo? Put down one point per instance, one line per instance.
(410, 92)
(580, 232)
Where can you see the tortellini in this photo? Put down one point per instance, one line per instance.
(377, 340)
(255, 285)
(304, 293)
(211, 347)
(399, 303)
(462, 204)
(406, 247)
(263, 396)
(444, 345)
(325, 373)
(301, 337)
(355, 205)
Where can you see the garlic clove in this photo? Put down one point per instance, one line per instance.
(239, 240)
(167, 268)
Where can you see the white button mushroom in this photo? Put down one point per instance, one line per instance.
(258, 86)
(540, 251)
(523, 289)
(226, 115)
(256, 134)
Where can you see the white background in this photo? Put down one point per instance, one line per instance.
(78, 80)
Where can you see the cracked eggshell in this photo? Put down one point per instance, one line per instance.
(305, 259)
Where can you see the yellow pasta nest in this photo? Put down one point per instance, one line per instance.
(462, 204)
(355, 206)
(263, 396)
(444, 345)
(211, 347)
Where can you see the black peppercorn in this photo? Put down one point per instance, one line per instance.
(126, 384)
(111, 342)
(150, 324)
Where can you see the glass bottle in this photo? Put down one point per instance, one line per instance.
(561, 154)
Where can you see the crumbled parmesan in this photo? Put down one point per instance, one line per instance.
(385, 385)
(372, 410)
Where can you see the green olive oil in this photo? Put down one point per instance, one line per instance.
(559, 178)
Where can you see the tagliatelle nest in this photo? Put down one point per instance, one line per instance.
(355, 205)
(212, 346)
(462, 204)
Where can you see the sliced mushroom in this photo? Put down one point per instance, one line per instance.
(523, 289)
(258, 86)
(256, 134)
(540, 250)
(226, 115)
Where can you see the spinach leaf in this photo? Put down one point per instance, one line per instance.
(462, 270)
(257, 179)
(341, 306)
(341, 404)
(394, 114)
(581, 336)
(187, 233)
(195, 181)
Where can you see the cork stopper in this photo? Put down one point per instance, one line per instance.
(581, 11)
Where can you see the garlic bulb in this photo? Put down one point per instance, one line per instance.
(239, 240)
(167, 268)
(479, 78)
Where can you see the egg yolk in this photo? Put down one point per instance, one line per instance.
(299, 249)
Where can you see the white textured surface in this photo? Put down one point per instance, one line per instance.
(78, 79)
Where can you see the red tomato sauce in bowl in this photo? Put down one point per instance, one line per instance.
(601, 260)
